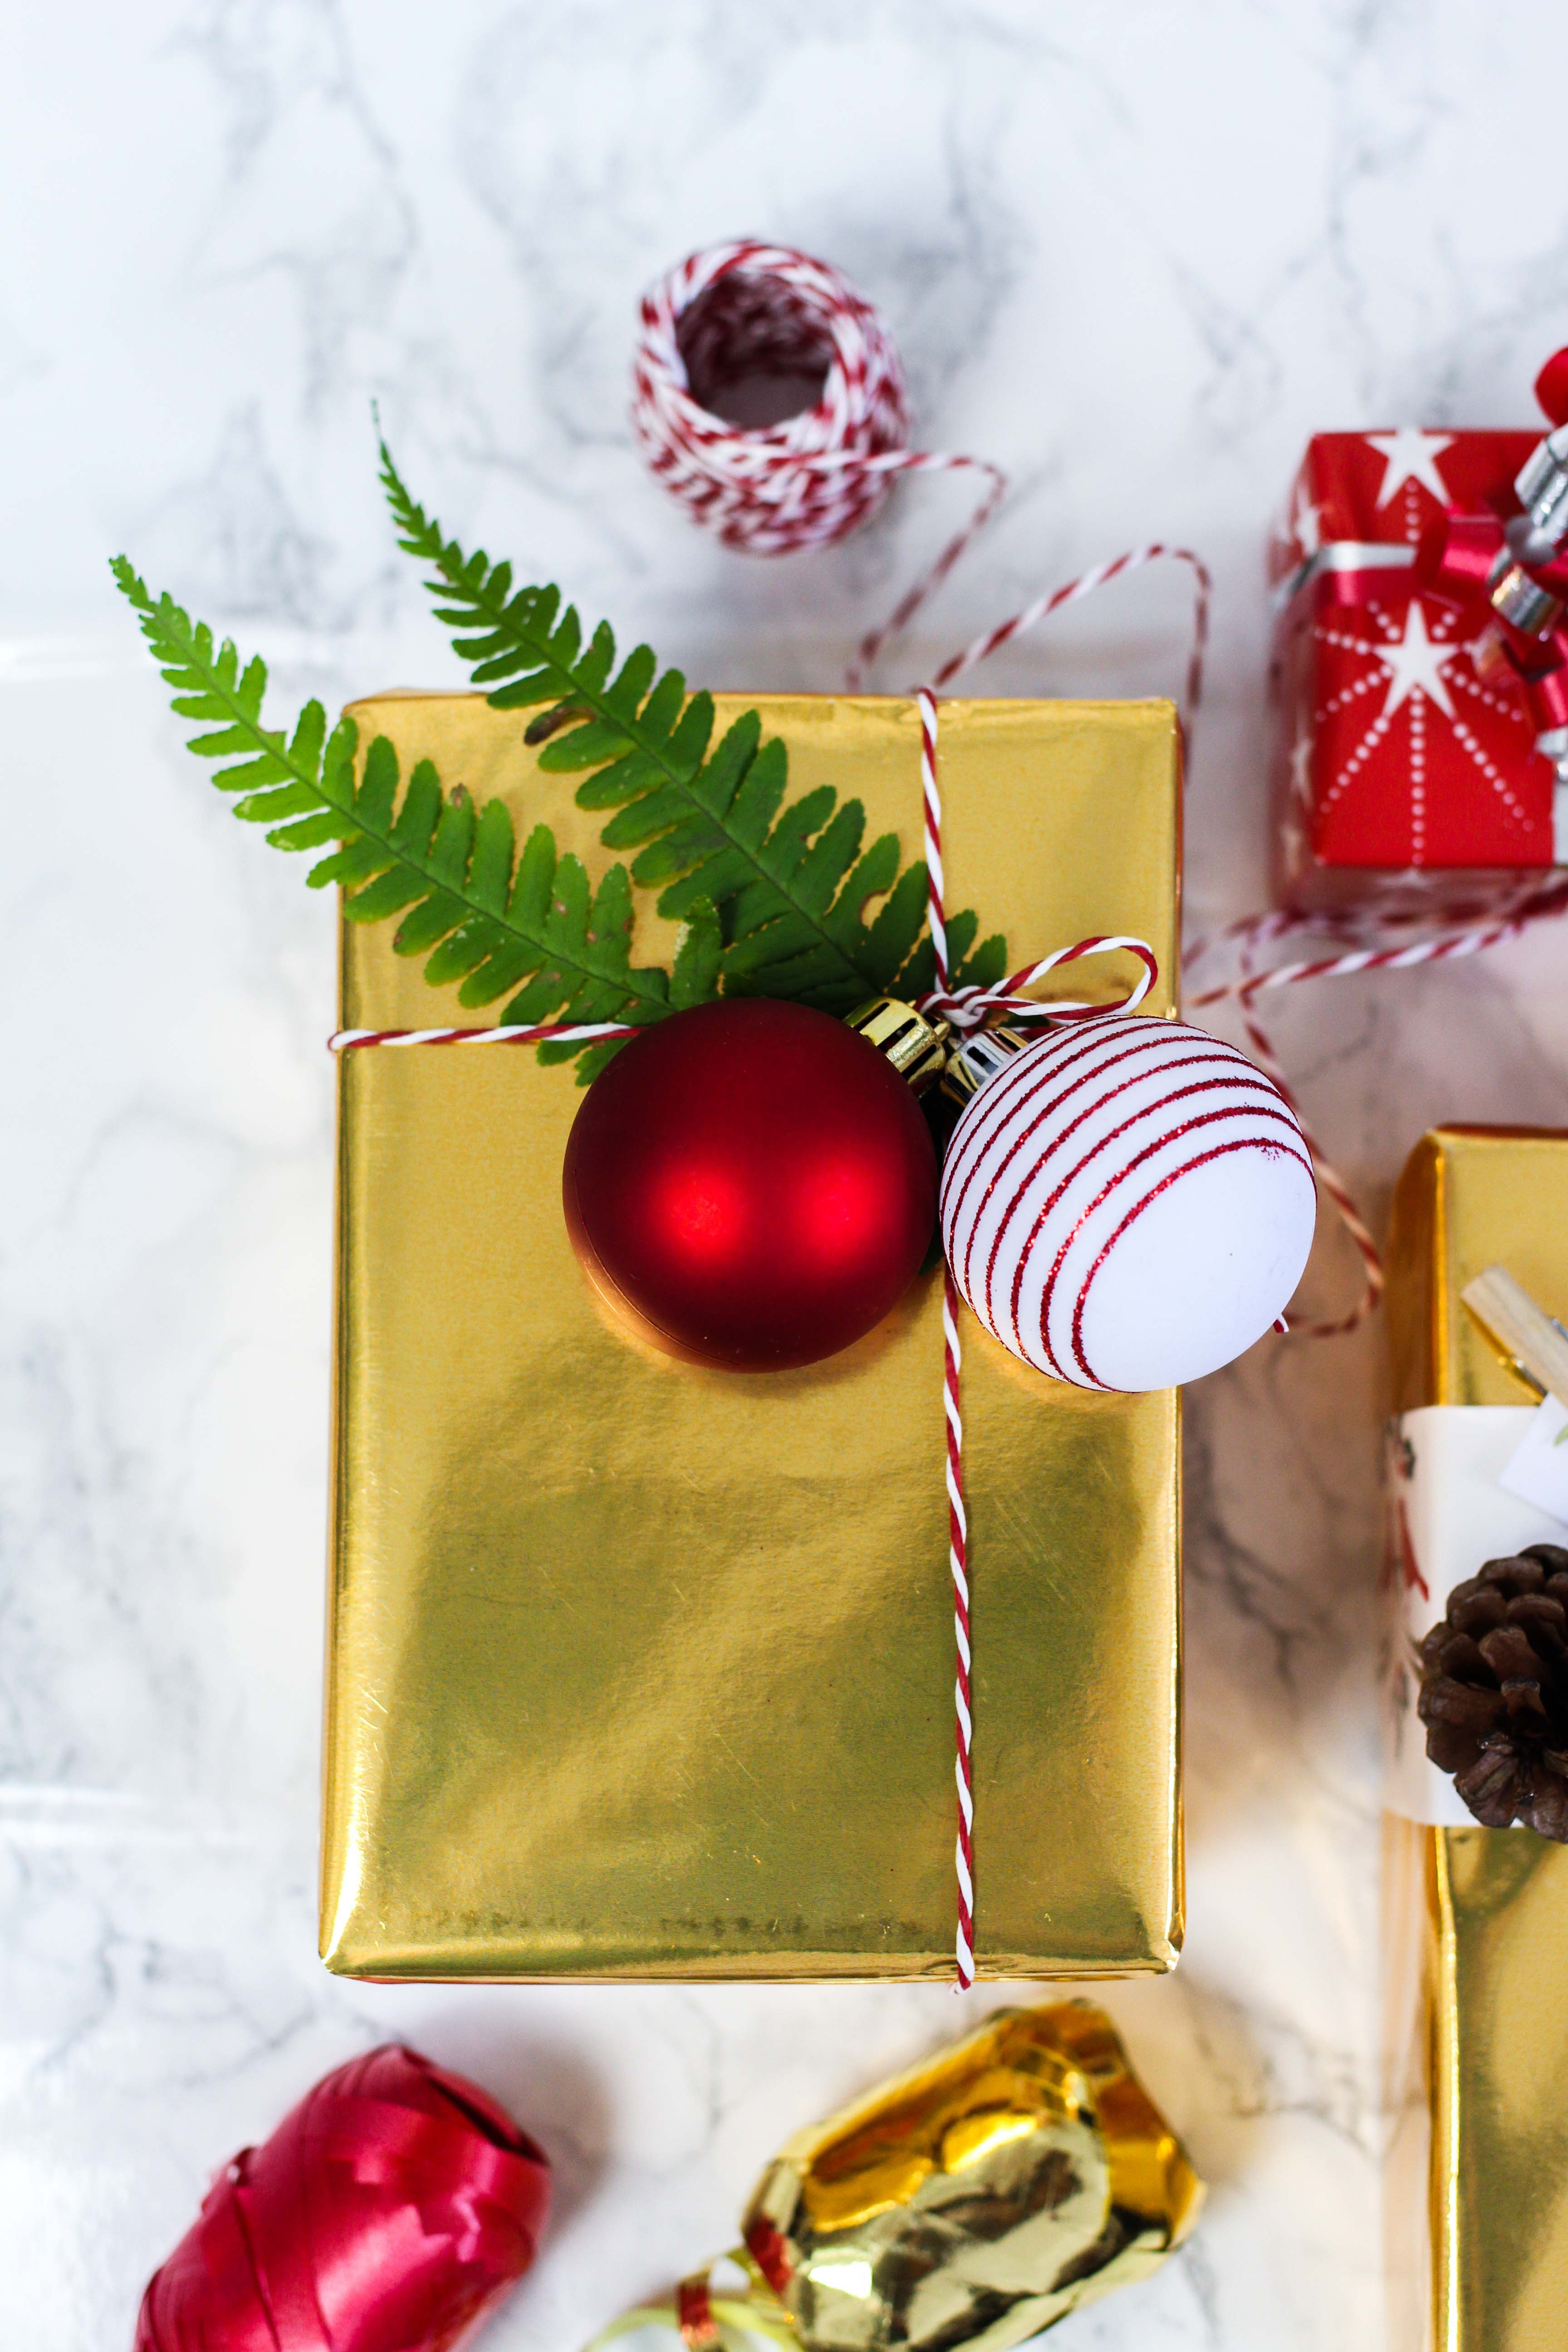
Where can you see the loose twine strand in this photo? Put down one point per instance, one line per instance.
(966, 1009)
(1366, 946)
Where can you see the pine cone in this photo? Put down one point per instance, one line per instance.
(1494, 1691)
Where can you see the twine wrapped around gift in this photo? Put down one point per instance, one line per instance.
(389, 2212)
(964, 1010)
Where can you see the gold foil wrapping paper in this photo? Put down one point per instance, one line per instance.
(978, 2198)
(641, 1671)
(1476, 1919)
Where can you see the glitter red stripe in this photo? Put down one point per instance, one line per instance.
(1012, 1089)
(1122, 1175)
(1218, 1151)
(1275, 1112)
(1150, 1050)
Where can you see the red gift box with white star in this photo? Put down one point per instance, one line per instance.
(1396, 761)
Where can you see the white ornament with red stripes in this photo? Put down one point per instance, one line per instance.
(1128, 1205)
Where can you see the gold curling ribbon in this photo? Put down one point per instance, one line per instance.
(1017, 2174)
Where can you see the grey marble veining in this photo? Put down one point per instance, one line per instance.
(1135, 254)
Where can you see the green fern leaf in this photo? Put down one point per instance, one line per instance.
(699, 955)
(535, 932)
(787, 881)
(982, 969)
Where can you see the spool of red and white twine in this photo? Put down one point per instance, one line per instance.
(745, 309)
(748, 309)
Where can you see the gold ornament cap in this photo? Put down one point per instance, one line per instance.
(976, 1059)
(916, 1047)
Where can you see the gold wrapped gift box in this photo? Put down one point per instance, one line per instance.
(1477, 1920)
(639, 1670)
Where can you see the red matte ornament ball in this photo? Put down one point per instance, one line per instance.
(750, 1185)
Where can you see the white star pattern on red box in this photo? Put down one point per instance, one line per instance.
(1422, 668)
(1411, 456)
(1403, 745)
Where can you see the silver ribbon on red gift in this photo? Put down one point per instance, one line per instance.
(1519, 565)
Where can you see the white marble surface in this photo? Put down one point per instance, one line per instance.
(1134, 254)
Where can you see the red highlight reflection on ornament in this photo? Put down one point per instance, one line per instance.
(841, 1208)
(703, 1212)
(750, 1185)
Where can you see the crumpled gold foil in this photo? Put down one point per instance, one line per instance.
(1476, 1920)
(642, 1671)
(1016, 2176)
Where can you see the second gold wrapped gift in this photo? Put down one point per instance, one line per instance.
(1477, 1920)
(642, 1671)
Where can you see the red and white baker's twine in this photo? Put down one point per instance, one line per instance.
(966, 1009)
(540, 1033)
(958, 1564)
(1461, 933)
(747, 309)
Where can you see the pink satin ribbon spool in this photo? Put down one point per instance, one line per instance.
(389, 2212)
